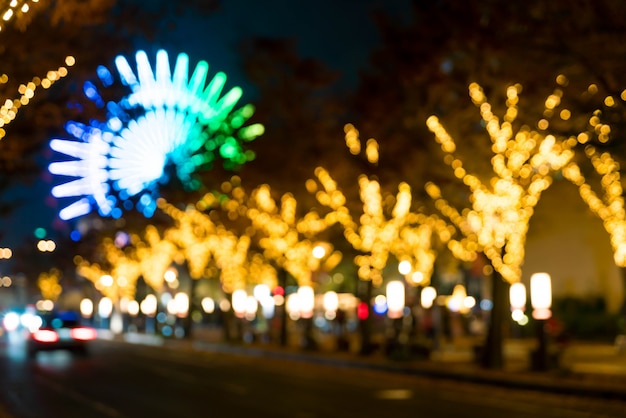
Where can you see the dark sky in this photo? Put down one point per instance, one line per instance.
(339, 32)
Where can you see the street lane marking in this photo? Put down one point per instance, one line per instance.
(395, 394)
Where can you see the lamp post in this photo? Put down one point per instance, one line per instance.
(148, 307)
(428, 300)
(395, 310)
(517, 297)
(86, 309)
(105, 308)
(238, 301)
(332, 314)
(133, 311)
(306, 295)
(541, 300)
(306, 300)
(395, 299)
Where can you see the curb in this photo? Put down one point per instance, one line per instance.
(546, 382)
(561, 382)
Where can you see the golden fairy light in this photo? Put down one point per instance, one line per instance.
(387, 225)
(287, 239)
(609, 206)
(123, 268)
(13, 9)
(10, 106)
(49, 284)
(416, 245)
(156, 254)
(523, 163)
(211, 249)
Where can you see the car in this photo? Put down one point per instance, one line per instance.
(60, 331)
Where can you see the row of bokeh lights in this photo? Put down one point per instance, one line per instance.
(15, 7)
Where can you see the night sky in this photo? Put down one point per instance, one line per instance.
(341, 33)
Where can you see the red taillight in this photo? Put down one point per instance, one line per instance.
(362, 311)
(83, 333)
(45, 336)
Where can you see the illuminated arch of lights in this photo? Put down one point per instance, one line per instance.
(168, 120)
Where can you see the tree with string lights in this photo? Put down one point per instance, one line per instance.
(496, 220)
(285, 238)
(603, 194)
(384, 225)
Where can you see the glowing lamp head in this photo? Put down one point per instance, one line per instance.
(428, 296)
(306, 300)
(541, 295)
(239, 300)
(331, 301)
(395, 299)
(517, 296)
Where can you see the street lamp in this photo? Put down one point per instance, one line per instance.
(541, 295)
(133, 308)
(395, 311)
(335, 317)
(239, 298)
(306, 303)
(331, 304)
(428, 296)
(86, 307)
(208, 305)
(395, 299)
(252, 307)
(541, 300)
(148, 307)
(428, 300)
(105, 308)
(517, 297)
(263, 295)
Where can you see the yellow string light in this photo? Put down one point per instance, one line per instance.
(610, 206)
(386, 225)
(10, 108)
(13, 9)
(523, 162)
(203, 241)
(49, 286)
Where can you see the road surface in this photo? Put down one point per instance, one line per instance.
(127, 380)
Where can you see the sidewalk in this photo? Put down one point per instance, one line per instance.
(585, 369)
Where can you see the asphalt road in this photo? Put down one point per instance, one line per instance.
(125, 380)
